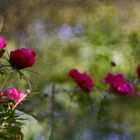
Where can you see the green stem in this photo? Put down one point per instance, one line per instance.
(52, 111)
(53, 100)
(21, 99)
(101, 108)
(5, 81)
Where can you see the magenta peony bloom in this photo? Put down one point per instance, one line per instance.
(82, 79)
(117, 83)
(138, 70)
(22, 58)
(2, 46)
(113, 78)
(12, 93)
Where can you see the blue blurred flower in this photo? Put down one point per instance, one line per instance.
(65, 33)
(39, 137)
(120, 137)
(78, 30)
(39, 25)
(37, 33)
(87, 134)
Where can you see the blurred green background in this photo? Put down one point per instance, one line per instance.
(83, 34)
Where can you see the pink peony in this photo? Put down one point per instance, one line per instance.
(113, 78)
(2, 46)
(82, 79)
(12, 93)
(22, 58)
(117, 83)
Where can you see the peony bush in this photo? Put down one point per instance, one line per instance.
(11, 97)
(116, 84)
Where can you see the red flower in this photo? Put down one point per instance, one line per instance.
(2, 46)
(82, 79)
(118, 84)
(138, 70)
(22, 58)
(12, 93)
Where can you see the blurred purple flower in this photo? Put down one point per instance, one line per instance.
(38, 33)
(39, 137)
(120, 137)
(87, 134)
(39, 25)
(65, 33)
(78, 30)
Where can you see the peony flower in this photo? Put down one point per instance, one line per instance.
(12, 93)
(2, 46)
(22, 58)
(138, 70)
(82, 79)
(117, 83)
(113, 78)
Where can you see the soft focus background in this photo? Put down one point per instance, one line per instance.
(83, 34)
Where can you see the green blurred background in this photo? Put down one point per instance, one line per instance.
(83, 34)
